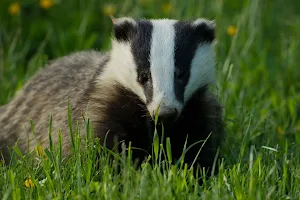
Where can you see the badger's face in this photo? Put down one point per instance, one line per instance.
(163, 61)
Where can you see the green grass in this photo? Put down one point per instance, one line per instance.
(258, 84)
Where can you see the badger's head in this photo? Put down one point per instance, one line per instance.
(164, 62)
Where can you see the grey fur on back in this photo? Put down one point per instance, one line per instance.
(64, 79)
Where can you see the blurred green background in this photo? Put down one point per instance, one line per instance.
(258, 73)
(258, 52)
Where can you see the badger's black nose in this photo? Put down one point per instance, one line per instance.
(168, 116)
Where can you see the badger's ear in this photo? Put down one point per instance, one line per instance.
(124, 28)
(205, 29)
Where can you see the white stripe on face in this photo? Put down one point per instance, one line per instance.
(202, 70)
(162, 67)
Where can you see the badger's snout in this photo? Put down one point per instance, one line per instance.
(168, 115)
(166, 107)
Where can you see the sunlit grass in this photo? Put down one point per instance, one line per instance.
(257, 82)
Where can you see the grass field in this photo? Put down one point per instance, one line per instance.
(258, 84)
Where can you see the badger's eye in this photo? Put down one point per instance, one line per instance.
(143, 78)
(180, 73)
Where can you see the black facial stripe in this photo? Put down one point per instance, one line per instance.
(186, 43)
(187, 39)
(140, 47)
(124, 31)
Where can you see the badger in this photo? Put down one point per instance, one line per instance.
(156, 67)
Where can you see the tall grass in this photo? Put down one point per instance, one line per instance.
(257, 82)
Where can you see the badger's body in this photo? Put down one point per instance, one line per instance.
(153, 63)
(48, 92)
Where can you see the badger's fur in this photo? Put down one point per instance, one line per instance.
(153, 63)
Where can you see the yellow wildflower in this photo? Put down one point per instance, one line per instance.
(29, 183)
(279, 130)
(109, 9)
(231, 30)
(144, 2)
(166, 8)
(46, 4)
(40, 151)
(14, 9)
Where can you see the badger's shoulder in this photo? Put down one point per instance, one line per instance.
(63, 74)
(48, 92)
(69, 69)
(60, 79)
